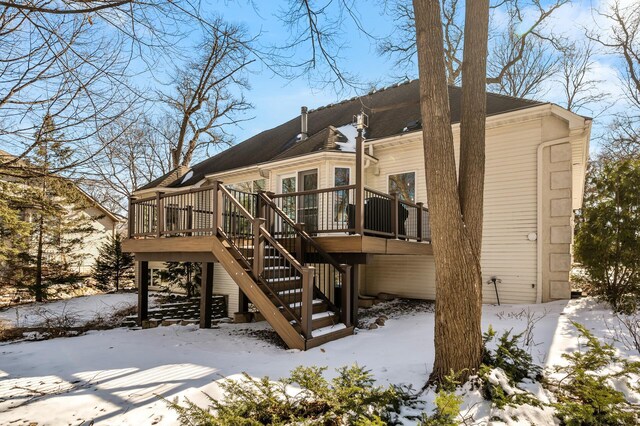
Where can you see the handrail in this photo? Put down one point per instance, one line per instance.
(314, 191)
(283, 251)
(376, 192)
(239, 205)
(302, 232)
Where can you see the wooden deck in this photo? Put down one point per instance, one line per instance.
(200, 248)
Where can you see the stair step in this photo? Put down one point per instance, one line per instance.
(328, 334)
(317, 307)
(282, 280)
(329, 329)
(316, 302)
(290, 291)
(320, 320)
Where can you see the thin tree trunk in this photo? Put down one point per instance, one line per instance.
(458, 338)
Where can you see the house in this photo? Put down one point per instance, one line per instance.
(305, 218)
(103, 222)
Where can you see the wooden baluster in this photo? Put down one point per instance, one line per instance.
(345, 309)
(306, 322)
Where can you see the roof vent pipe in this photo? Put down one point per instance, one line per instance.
(304, 132)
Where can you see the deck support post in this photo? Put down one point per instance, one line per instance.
(306, 310)
(345, 309)
(243, 302)
(206, 294)
(143, 291)
(355, 292)
(359, 225)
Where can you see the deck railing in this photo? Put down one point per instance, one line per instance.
(323, 211)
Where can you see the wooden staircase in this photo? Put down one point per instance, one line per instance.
(293, 295)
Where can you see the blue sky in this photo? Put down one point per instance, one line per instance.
(277, 100)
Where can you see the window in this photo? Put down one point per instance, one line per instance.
(342, 197)
(342, 176)
(259, 185)
(287, 185)
(404, 184)
(252, 186)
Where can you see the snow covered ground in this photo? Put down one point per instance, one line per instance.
(117, 376)
(78, 310)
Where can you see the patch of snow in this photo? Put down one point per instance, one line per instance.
(78, 309)
(118, 376)
(187, 176)
(350, 132)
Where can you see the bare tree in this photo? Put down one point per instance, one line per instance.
(526, 77)
(74, 61)
(581, 90)
(622, 39)
(140, 154)
(205, 102)
(402, 44)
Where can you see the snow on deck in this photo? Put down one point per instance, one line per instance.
(115, 376)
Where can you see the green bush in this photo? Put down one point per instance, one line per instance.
(349, 399)
(584, 393)
(607, 242)
(448, 403)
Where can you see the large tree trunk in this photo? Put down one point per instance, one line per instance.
(458, 337)
(473, 118)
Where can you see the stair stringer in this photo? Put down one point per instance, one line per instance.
(271, 313)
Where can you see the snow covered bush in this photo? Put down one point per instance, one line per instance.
(503, 368)
(305, 397)
(515, 361)
(589, 390)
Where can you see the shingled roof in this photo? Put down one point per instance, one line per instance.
(391, 111)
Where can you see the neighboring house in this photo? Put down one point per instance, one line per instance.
(364, 205)
(104, 222)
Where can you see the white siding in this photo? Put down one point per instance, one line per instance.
(407, 276)
(510, 205)
(224, 284)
